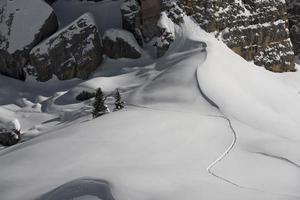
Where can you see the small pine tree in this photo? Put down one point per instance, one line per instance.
(99, 107)
(119, 104)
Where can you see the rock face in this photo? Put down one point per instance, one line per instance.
(294, 23)
(20, 31)
(141, 17)
(74, 51)
(131, 19)
(150, 14)
(120, 44)
(256, 30)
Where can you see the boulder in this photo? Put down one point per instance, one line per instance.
(74, 51)
(23, 24)
(131, 19)
(9, 138)
(120, 44)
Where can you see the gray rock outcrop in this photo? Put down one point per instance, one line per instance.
(141, 18)
(120, 44)
(23, 24)
(256, 30)
(294, 23)
(74, 51)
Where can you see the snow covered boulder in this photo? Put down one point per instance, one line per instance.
(167, 36)
(74, 51)
(120, 44)
(23, 24)
(9, 138)
(10, 132)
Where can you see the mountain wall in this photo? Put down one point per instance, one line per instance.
(294, 23)
(256, 30)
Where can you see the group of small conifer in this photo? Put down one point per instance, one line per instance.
(99, 107)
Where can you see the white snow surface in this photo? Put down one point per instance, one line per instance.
(26, 18)
(169, 142)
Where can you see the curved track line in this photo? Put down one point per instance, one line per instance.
(220, 158)
(224, 154)
(228, 150)
(231, 147)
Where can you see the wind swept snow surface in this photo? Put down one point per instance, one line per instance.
(170, 142)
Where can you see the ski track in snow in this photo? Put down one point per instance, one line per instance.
(231, 147)
(219, 159)
(227, 151)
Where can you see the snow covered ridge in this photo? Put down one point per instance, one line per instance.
(256, 30)
(23, 24)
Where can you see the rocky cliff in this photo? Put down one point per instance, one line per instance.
(294, 23)
(256, 30)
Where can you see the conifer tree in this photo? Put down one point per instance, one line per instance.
(99, 107)
(119, 104)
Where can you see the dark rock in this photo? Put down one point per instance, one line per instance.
(84, 95)
(163, 43)
(9, 138)
(19, 33)
(256, 30)
(141, 18)
(131, 19)
(50, 1)
(150, 14)
(74, 51)
(120, 44)
(294, 23)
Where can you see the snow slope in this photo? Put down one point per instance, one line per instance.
(171, 141)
